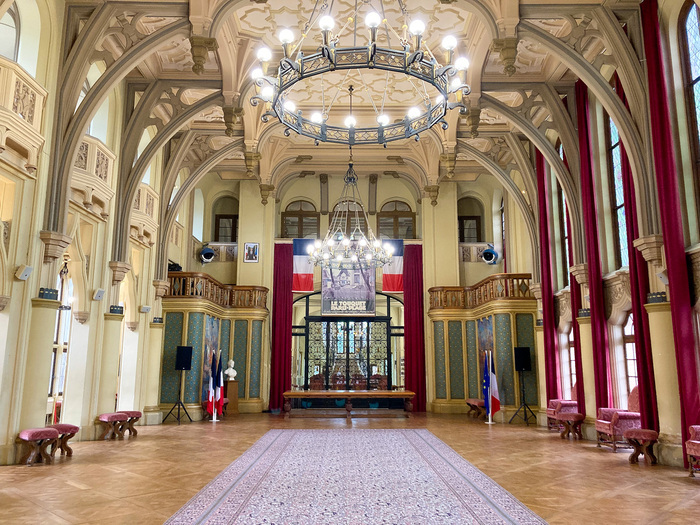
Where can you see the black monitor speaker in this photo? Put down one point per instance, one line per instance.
(522, 359)
(183, 358)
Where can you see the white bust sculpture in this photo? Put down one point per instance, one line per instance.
(230, 372)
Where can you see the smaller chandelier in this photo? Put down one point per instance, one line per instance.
(412, 57)
(345, 246)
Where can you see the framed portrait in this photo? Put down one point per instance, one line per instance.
(251, 252)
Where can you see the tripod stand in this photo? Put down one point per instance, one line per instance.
(179, 403)
(523, 405)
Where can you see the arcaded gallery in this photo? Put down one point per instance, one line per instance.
(349, 261)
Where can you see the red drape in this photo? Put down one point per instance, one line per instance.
(282, 298)
(575, 307)
(639, 280)
(550, 329)
(665, 169)
(414, 335)
(599, 331)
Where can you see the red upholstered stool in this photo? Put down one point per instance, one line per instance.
(134, 416)
(223, 408)
(572, 424)
(65, 432)
(112, 423)
(643, 442)
(37, 440)
(476, 407)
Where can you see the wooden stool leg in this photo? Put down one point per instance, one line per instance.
(566, 431)
(577, 430)
(634, 456)
(649, 456)
(106, 430)
(45, 455)
(65, 448)
(348, 408)
(118, 429)
(28, 447)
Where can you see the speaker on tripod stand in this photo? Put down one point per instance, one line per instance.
(183, 361)
(523, 364)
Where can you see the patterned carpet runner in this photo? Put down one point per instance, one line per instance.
(352, 477)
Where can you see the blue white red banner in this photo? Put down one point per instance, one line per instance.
(392, 277)
(303, 276)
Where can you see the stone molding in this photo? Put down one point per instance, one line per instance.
(161, 287)
(4, 301)
(119, 271)
(617, 294)
(54, 244)
(432, 192)
(81, 317)
(580, 273)
(652, 248)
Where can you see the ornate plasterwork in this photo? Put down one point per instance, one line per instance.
(617, 295)
(562, 310)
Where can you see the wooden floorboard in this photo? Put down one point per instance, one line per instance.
(146, 479)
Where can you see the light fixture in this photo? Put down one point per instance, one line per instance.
(411, 57)
(346, 246)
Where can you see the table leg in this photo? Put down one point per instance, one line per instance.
(287, 408)
(348, 408)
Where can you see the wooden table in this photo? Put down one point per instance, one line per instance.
(348, 396)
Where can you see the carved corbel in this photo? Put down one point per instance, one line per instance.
(432, 192)
(394, 174)
(580, 273)
(131, 325)
(507, 49)
(694, 255)
(302, 158)
(81, 317)
(161, 287)
(54, 245)
(200, 47)
(4, 301)
(252, 163)
(265, 190)
(119, 271)
(447, 164)
(473, 119)
(652, 249)
(306, 173)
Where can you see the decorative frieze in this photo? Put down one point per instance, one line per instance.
(24, 101)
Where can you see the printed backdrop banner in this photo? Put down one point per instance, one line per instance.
(348, 291)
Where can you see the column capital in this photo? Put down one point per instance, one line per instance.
(265, 191)
(536, 290)
(119, 271)
(81, 317)
(432, 192)
(161, 287)
(580, 273)
(652, 248)
(54, 244)
(200, 47)
(4, 301)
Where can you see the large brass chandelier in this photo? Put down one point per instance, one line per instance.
(412, 57)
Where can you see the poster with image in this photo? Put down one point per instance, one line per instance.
(348, 291)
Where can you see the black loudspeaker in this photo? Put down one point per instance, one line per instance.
(522, 358)
(183, 358)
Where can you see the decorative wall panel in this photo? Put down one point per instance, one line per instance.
(195, 339)
(472, 361)
(454, 334)
(240, 353)
(255, 358)
(504, 358)
(172, 338)
(525, 334)
(440, 375)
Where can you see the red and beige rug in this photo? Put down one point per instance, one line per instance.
(352, 477)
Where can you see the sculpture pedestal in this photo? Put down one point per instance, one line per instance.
(231, 392)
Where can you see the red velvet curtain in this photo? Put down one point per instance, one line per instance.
(575, 307)
(665, 169)
(414, 335)
(599, 330)
(639, 280)
(282, 298)
(550, 328)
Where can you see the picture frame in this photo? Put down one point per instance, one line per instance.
(251, 252)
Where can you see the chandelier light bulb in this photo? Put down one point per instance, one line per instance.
(286, 36)
(326, 256)
(373, 19)
(317, 243)
(414, 112)
(264, 54)
(350, 122)
(455, 85)
(388, 249)
(439, 99)
(353, 258)
(363, 241)
(317, 117)
(377, 244)
(449, 43)
(346, 242)
(417, 27)
(462, 63)
(310, 249)
(383, 120)
(368, 256)
(331, 242)
(339, 257)
(257, 73)
(267, 93)
(326, 23)
(289, 106)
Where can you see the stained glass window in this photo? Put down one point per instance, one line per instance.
(690, 46)
(630, 353)
(617, 197)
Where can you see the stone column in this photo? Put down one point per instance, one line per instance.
(153, 415)
(37, 379)
(586, 364)
(539, 341)
(109, 369)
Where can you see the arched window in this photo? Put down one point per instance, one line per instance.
(396, 220)
(470, 214)
(300, 220)
(617, 196)
(198, 215)
(225, 220)
(567, 361)
(59, 357)
(9, 33)
(690, 49)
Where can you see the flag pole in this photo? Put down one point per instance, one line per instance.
(490, 421)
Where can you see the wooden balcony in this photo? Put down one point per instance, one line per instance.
(202, 286)
(499, 287)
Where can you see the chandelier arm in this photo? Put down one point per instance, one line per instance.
(371, 99)
(424, 97)
(350, 19)
(386, 30)
(337, 91)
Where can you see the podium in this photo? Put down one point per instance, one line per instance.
(231, 392)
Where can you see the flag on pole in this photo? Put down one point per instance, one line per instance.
(303, 276)
(219, 386)
(212, 388)
(392, 276)
(492, 402)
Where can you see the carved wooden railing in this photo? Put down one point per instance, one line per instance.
(501, 286)
(202, 286)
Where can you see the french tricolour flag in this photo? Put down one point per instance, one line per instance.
(392, 279)
(303, 277)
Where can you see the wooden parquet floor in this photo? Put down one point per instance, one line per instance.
(146, 479)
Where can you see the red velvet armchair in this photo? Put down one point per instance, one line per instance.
(692, 448)
(556, 406)
(612, 422)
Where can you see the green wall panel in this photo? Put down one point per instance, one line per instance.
(195, 339)
(172, 338)
(440, 375)
(525, 334)
(454, 335)
(504, 358)
(472, 361)
(255, 358)
(240, 353)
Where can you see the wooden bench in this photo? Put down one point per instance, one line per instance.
(37, 440)
(65, 432)
(348, 396)
(112, 424)
(477, 407)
